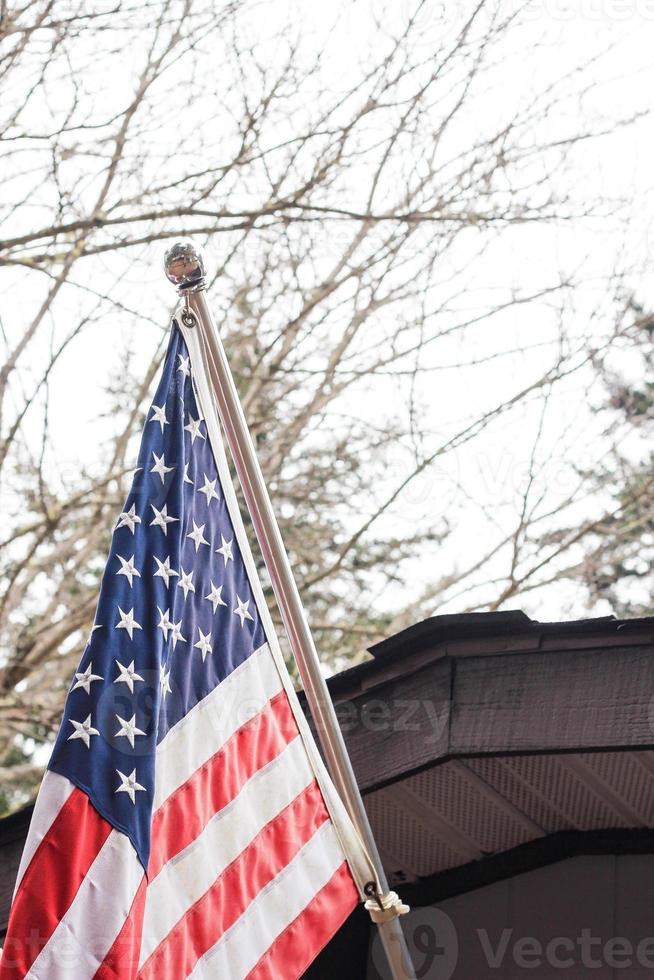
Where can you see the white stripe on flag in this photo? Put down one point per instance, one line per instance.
(187, 876)
(242, 946)
(212, 722)
(98, 912)
(53, 793)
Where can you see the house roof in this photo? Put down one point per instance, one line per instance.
(473, 736)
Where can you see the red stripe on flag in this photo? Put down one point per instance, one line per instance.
(51, 881)
(122, 960)
(183, 816)
(296, 948)
(268, 853)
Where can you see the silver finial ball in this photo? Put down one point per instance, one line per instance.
(184, 266)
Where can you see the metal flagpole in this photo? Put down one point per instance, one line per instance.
(184, 267)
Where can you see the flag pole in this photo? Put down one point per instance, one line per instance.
(184, 267)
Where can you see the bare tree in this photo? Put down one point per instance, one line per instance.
(346, 211)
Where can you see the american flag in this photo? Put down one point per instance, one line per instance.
(185, 826)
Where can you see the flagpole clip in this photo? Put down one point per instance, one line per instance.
(187, 315)
(383, 908)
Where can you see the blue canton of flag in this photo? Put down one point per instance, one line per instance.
(175, 614)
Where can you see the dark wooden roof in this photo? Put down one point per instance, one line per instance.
(473, 735)
(474, 634)
(496, 683)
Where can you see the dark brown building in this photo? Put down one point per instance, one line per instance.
(508, 771)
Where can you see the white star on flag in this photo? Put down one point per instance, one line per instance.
(164, 570)
(225, 550)
(203, 644)
(184, 365)
(197, 535)
(129, 518)
(187, 478)
(127, 622)
(164, 681)
(85, 679)
(129, 785)
(127, 675)
(242, 610)
(161, 518)
(127, 569)
(159, 415)
(177, 634)
(160, 467)
(186, 583)
(164, 623)
(209, 490)
(128, 729)
(83, 731)
(215, 596)
(194, 428)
